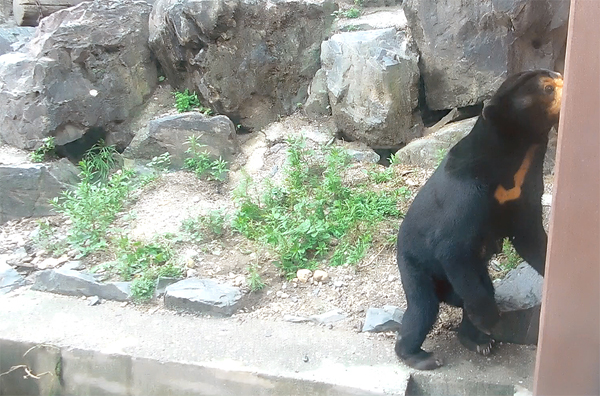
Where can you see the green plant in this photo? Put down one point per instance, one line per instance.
(404, 193)
(209, 226)
(161, 78)
(439, 156)
(98, 161)
(45, 151)
(312, 215)
(161, 162)
(349, 13)
(509, 259)
(186, 101)
(200, 162)
(143, 264)
(254, 280)
(383, 176)
(352, 13)
(94, 203)
(394, 159)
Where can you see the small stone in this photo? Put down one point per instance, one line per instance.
(74, 266)
(239, 281)
(191, 273)
(295, 319)
(383, 319)
(321, 276)
(295, 284)
(305, 359)
(284, 295)
(338, 284)
(93, 300)
(391, 278)
(284, 286)
(294, 299)
(50, 263)
(303, 275)
(124, 304)
(332, 316)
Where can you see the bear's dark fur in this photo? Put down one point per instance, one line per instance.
(487, 188)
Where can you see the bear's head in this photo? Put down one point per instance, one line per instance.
(527, 104)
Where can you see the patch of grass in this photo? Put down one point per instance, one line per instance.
(201, 163)
(143, 264)
(312, 215)
(381, 176)
(188, 101)
(94, 203)
(509, 259)
(45, 151)
(206, 227)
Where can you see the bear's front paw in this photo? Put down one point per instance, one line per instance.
(486, 321)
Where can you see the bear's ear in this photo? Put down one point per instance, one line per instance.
(490, 111)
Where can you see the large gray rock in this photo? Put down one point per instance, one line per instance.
(9, 278)
(468, 48)
(74, 283)
(203, 296)
(519, 297)
(317, 104)
(521, 288)
(87, 67)
(27, 188)
(12, 38)
(250, 60)
(427, 151)
(170, 134)
(372, 81)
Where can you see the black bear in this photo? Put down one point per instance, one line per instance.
(488, 187)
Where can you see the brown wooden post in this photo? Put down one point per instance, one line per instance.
(568, 356)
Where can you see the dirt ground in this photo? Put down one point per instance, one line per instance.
(164, 204)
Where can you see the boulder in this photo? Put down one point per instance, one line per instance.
(170, 134)
(27, 188)
(12, 38)
(203, 296)
(9, 278)
(427, 151)
(392, 17)
(372, 82)
(519, 298)
(317, 104)
(468, 48)
(249, 60)
(75, 283)
(86, 68)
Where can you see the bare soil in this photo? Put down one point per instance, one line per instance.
(163, 205)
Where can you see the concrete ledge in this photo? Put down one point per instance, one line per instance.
(110, 349)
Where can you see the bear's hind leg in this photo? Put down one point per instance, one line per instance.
(417, 321)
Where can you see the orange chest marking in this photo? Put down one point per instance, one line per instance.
(503, 195)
